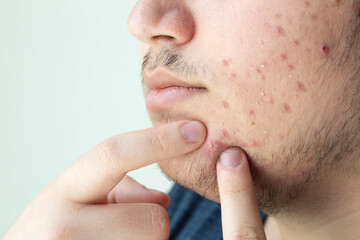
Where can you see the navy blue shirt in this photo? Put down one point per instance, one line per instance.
(193, 217)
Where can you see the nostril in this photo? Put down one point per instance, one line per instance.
(164, 38)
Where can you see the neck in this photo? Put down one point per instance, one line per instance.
(329, 210)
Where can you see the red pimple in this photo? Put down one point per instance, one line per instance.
(349, 153)
(212, 146)
(291, 67)
(280, 31)
(296, 42)
(301, 173)
(283, 56)
(282, 136)
(299, 86)
(225, 134)
(225, 62)
(269, 99)
(307, 4)
(324, 50)
(251, 112)
(253, 143)
(285, 108)
(314, 16)
(225, 104)
(233, 75)
(335, 3)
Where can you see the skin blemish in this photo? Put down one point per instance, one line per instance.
(253, 143)
(291, 67)
(300, 87)
(307, 4)
(233, 75)
(283, 56)
(314, 16)
(301, 173)
(251, 113)
(279, 30)
(253, 123)
(224, 134)
(285, 108)
(225, 104)
(324, 50)
(291, 76)
(225, 62)
(349, 153)
(259, 71)
(282, 136)
(268, 99)
(212, 146)
(335, 3)
(296, 42)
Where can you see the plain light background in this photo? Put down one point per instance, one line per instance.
(69, 78)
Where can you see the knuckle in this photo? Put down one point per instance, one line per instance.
(246, 233)
(160, 141)
(108, 151)
(159, 221)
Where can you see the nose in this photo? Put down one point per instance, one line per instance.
(162, 22)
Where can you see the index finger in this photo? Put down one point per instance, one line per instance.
(90, 178)
(239, 210)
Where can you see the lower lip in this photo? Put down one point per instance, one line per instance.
(167, 97)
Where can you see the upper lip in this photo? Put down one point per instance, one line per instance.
(160, 78)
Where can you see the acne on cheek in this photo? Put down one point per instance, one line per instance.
(213, 147)
(285, 108)
(225, 104)
(324, 50)
(226, 61)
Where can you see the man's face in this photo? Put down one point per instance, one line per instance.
(275, 79)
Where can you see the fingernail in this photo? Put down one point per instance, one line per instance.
(231, 158)
(193, 131)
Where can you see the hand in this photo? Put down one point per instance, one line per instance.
(239, 209)
(83, 202)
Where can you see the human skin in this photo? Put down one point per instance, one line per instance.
(279, 83)
(94, 199)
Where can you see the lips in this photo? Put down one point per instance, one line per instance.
(163, 90)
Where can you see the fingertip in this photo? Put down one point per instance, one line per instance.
(232, 158)
(160, 198)
(193, 132)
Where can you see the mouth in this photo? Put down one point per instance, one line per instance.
(163, 90)
(167, 97)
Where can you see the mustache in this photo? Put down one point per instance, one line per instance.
(173, 61)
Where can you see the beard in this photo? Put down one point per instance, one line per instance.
(284, 180)
(320, 148)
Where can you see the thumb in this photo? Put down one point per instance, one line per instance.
(239, 209)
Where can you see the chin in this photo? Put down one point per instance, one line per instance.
(196, 170)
